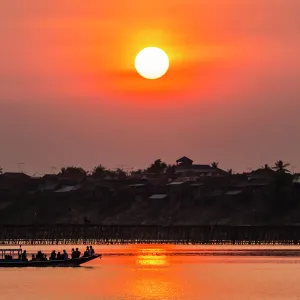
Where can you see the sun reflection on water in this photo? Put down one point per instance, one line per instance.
(152, 257)
(153, 282)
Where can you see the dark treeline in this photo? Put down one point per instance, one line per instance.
(178, 194)
(99, 171)
(157, 167)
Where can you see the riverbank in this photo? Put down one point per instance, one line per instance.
(126, 209)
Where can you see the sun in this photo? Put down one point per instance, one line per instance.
(152, 63)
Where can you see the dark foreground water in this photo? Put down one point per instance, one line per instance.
(163, 272)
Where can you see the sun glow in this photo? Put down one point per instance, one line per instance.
(152, 257)
(152, 63)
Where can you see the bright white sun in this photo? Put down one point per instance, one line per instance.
(152, 63)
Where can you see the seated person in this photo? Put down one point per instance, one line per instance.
(33, 257)
(53, 255)
(73, 254)
(24, 256)
(92, 251)
(65, 255)
(39, 256)
(86, 252)
(77, 253)
(59, 256)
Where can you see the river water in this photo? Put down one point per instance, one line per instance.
(162, 272)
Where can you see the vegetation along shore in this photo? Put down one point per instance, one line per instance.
(184, 193)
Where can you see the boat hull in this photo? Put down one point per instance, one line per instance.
(76, 262)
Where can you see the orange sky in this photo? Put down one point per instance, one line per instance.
(69, 93)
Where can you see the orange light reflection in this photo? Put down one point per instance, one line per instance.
(152, 257)
(152, 283)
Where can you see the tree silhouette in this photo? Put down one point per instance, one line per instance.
(139, 171)
(110, 173)
(281, 167)
(266, 167)
(170, 170)
(1, 170)
(98, 171)
(214, 164)
(71, 170)
(121, 174)
(101, 172)
(158, 167)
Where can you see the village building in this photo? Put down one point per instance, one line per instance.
(186, 168)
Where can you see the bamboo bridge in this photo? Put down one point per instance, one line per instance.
(129, 234)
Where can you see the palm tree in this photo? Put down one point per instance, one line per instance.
(281, 167)
(214, 164)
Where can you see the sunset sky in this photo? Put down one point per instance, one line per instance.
(69, 93)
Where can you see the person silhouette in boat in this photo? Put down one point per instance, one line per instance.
(92, 251)
(77, 253)
(53, 255)
(73, 253)
(87, 252)
(58, 257)
(65, 255)
(24, 256)
(39, 256)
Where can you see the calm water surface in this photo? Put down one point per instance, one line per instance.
(160, 272)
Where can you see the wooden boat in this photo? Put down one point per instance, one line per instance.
(17, 263)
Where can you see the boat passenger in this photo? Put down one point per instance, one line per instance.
(24, 256)
(92, 251)
(65, 255)
(73, 254)
(33, 257)
(53, 255)
(77, 252)
(86, 252)
(58, 256)
(39, 256)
